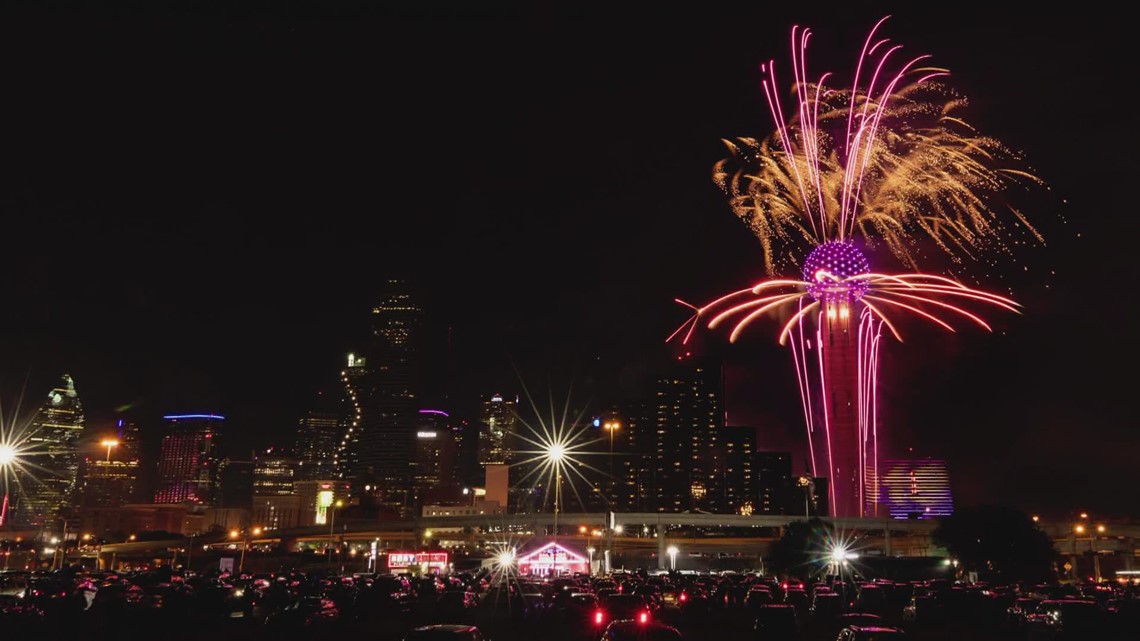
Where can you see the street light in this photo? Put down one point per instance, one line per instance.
(109, 443)
(245, 545)
(555, 454)
(611, 427)
(672, 550)
(332, 524)
(9, 458)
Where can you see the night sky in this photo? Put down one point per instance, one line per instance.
(199, 210)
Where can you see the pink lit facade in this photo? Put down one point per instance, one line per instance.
(552, 560)
(188, 464)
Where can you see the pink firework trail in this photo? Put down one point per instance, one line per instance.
(848, 304)
(867, 104)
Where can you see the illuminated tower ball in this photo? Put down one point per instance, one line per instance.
(836, 274)
(831, 271)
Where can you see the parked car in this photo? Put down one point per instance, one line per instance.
(640, 631)
(448, 632)
(776, 621)
(855, 633)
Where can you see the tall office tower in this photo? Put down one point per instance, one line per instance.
(466, 437)
(497, 421)
(737, 479)
(433, 459)
(911, 489)
(235, 484)
(188, 462)
(637, 462)
(109, 472)
(384, 453)
(316, 446)
(774, 484)
(274, 473)
(689, 417)
(355, 378)
(49, 488)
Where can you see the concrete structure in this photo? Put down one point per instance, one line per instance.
(498, 484)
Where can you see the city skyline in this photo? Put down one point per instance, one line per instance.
(601, 235)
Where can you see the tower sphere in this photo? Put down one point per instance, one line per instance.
(832, 271)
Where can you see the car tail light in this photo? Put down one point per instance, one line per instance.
(684, 597)
(644, 618)
(599, 616)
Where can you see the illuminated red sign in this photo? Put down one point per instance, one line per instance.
(430, 560)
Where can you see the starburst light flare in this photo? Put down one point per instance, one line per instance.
(17, 450)
(560, 445)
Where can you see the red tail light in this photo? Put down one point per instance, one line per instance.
(684, 597)
(644, 618)
(599, 616)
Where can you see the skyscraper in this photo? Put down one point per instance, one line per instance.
(274, 473)
(774, 484)
(389, 410)
(235, 485)
(110, 469)
(689, 417)
(635, 453)
(433, 460)
(55, 434)
(737, 479)
(355, 378)
(316, 445)
(497, 430)
(188, 464)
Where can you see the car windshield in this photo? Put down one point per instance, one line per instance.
(437, 635)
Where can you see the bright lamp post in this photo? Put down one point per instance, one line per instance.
(109, 443)
(555, 454)
(8, 459)
(332, 524)
(245, 544)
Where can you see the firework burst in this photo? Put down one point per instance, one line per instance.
(890, 159)
(883, 161)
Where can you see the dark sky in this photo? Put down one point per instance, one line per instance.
(199, 208)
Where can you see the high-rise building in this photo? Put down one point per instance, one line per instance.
(689, 417)
(635, 445)
(355, 378)
(235, 485)
(378, 450)
(316, 445)
(737, 479)
(110, 469)
(45, 492)
(433, 460)
(911, 489)
(497, 421)
(188, 463)
(774, 484)
(466, 437)
(274, 473)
